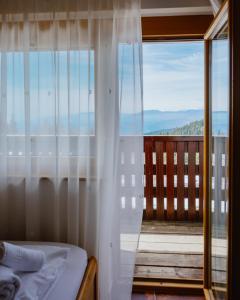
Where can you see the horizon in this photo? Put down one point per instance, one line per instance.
(183, 110)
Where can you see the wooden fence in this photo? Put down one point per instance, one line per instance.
(173, 178)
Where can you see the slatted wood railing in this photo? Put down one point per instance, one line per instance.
(173, 178)
(219, 183)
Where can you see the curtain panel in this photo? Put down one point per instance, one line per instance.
(71, 144)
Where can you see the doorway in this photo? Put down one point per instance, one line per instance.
(171, 240)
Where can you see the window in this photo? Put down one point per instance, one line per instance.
(50, 100)
(50, 108)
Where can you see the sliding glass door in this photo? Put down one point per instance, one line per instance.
(218, 153)
(219, 128)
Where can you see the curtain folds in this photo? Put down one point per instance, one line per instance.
(71, 144)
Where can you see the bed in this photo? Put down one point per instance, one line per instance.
(70, 274)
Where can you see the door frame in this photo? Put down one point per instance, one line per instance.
(234, 153)
(232, 9)
(218, 23)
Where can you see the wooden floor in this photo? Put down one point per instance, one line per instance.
(165, 297)
(170, 251)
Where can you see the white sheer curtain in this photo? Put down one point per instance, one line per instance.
(216, 4)
(71, 145)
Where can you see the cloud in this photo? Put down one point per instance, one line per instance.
(173, 75)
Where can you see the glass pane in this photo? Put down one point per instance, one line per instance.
(220, 134)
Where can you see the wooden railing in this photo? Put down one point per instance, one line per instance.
(173, 178)
(219, 182)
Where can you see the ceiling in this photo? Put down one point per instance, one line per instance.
(175, 7)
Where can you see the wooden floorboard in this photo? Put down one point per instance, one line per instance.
(170, 260)
(164, 297)
(174, 250)
(171, 243)
(171, 250)
(179, 227)
(159, 272)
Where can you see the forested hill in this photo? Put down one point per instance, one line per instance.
(193, 128)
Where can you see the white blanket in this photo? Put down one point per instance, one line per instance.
(9, 283)
(36, 285)
(21, 259)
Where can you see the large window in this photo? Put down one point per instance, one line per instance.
(50, 108)
(60, 89)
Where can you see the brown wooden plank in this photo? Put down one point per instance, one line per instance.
(170, 180)
(200, 181)
(170, 259)
(157, 144)
(159, 180)
(180, 181)
(187, 260)
(168, 227)
(206, 181)
(168, 272)
(178, 297)
(175, 26)
(169, 287)
(191, 180)
(163, 296)
(89, 285)
(148, 148)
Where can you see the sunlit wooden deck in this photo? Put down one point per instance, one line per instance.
(170, 250)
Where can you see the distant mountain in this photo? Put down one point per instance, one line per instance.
(193, 128)
(154, 121)
(157, 121)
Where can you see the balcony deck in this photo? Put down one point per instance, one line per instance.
(170, 250)
(171, 240)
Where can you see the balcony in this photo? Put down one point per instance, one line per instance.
(171, 240)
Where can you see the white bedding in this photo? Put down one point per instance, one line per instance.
(60, 278)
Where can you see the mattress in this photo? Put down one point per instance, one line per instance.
(61, 276)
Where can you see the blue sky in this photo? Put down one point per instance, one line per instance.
(173, 79)
(220, 75)
(173, 75)
(47, 71)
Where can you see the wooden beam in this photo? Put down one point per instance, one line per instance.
(89, 288)
(178, 260)
(208, 294)
(143, 286)
(175, 27)
(206, 180)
